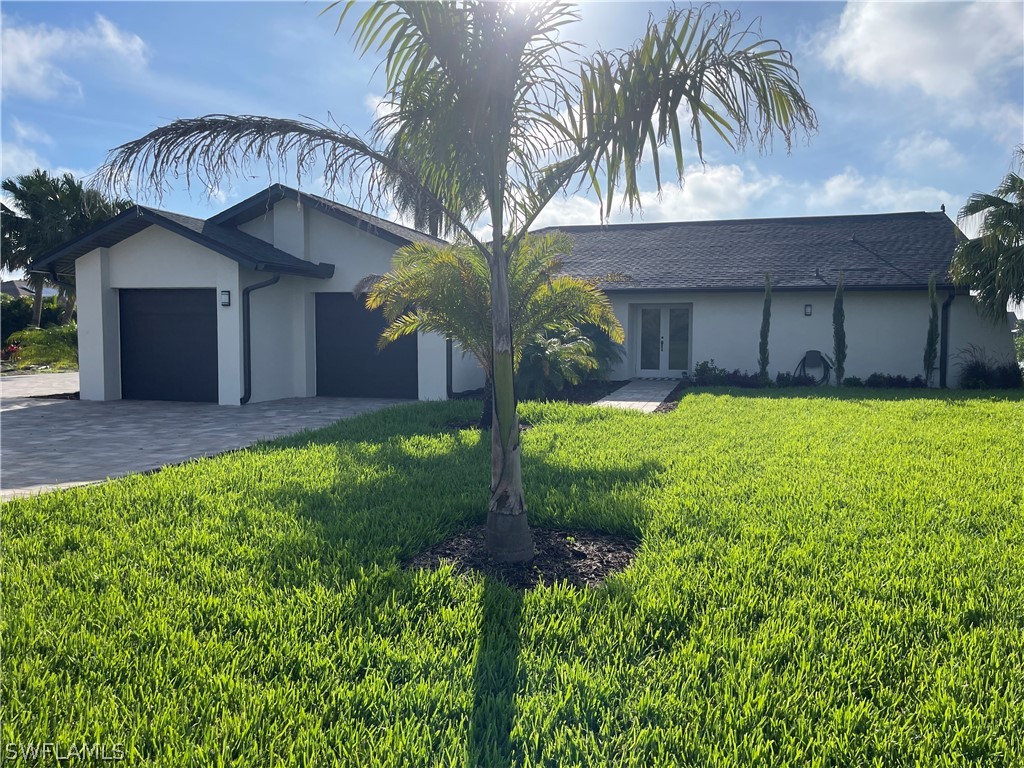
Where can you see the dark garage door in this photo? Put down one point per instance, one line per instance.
(169, 344)
(347, 361)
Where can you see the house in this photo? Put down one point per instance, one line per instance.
(257, 303)
(688, 292)
(19, 289)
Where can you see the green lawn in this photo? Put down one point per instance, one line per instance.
(819, 582)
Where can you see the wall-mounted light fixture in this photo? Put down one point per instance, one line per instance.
(225, 299)
(807, 309)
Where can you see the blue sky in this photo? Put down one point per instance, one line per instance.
(919, 104)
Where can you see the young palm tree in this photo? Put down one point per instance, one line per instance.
(482, 94)
(447, 290)
(47, 211)
(993, 262)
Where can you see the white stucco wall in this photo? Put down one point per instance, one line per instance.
(467, 374)
(99, 332)
(152, 258)
(261, 227)
(885, 330)
(278, 326)
(967, 328)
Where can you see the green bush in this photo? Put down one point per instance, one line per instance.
(784, 379)
(853, 381)
(979, 371)
(55, 347)
(894, 381)
(16, 314)
(553, 361)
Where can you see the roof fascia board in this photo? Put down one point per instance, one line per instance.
(247, 210)
(39, 264)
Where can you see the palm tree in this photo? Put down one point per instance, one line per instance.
(49, 211)
(447, 290)
(482, 95)
(993, 263)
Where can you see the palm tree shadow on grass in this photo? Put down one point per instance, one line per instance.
(496, 676)
(388, 501)
(360, 525)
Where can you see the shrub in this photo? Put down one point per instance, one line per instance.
(1007, 376)
(16, 314)
(569, 357)
(918, 382)
(766, 320)
(839, 333)
(979, 371)
(56, 347)
(799, 380)
(853, 381)
(707, 374)
(890, 381)
(745, 380)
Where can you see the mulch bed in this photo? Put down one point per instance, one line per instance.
(671, 401)
(580, 558)
(60, 396)
(457, 425)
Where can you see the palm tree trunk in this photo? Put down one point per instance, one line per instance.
(487, 417)
(508, 532)
(37, 302)
(67, 298)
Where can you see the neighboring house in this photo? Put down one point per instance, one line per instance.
(20, 289)
(256, 303)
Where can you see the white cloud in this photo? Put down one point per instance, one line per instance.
(377, 106)
(29, 134)
(34, 56)
(17, 159)
(717, 192)
(850, 192)
(947, 50)
(925, 150)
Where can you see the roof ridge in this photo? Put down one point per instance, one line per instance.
(751, 219)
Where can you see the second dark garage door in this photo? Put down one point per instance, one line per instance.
(169, 344)
(347, 361)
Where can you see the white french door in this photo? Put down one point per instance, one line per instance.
(664, 340)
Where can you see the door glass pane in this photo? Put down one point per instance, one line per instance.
(679, 339)
(650, 339)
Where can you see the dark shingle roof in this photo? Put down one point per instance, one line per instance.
(247, 250)
(262, 202)
(888, 251)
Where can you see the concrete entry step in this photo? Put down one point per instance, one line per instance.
(640, 395)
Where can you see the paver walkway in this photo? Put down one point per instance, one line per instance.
(47, 444)
(32, 384)
(640, 395)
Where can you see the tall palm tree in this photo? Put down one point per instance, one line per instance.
(447, 290)
(483, 96)
(48, 210)
(993, 263)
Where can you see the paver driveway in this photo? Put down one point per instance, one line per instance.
(46, 444)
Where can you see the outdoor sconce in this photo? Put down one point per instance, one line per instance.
(225, 299)
(807, 309)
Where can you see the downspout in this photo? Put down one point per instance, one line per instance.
(448, 368)
(944, 344)
(246, 336)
